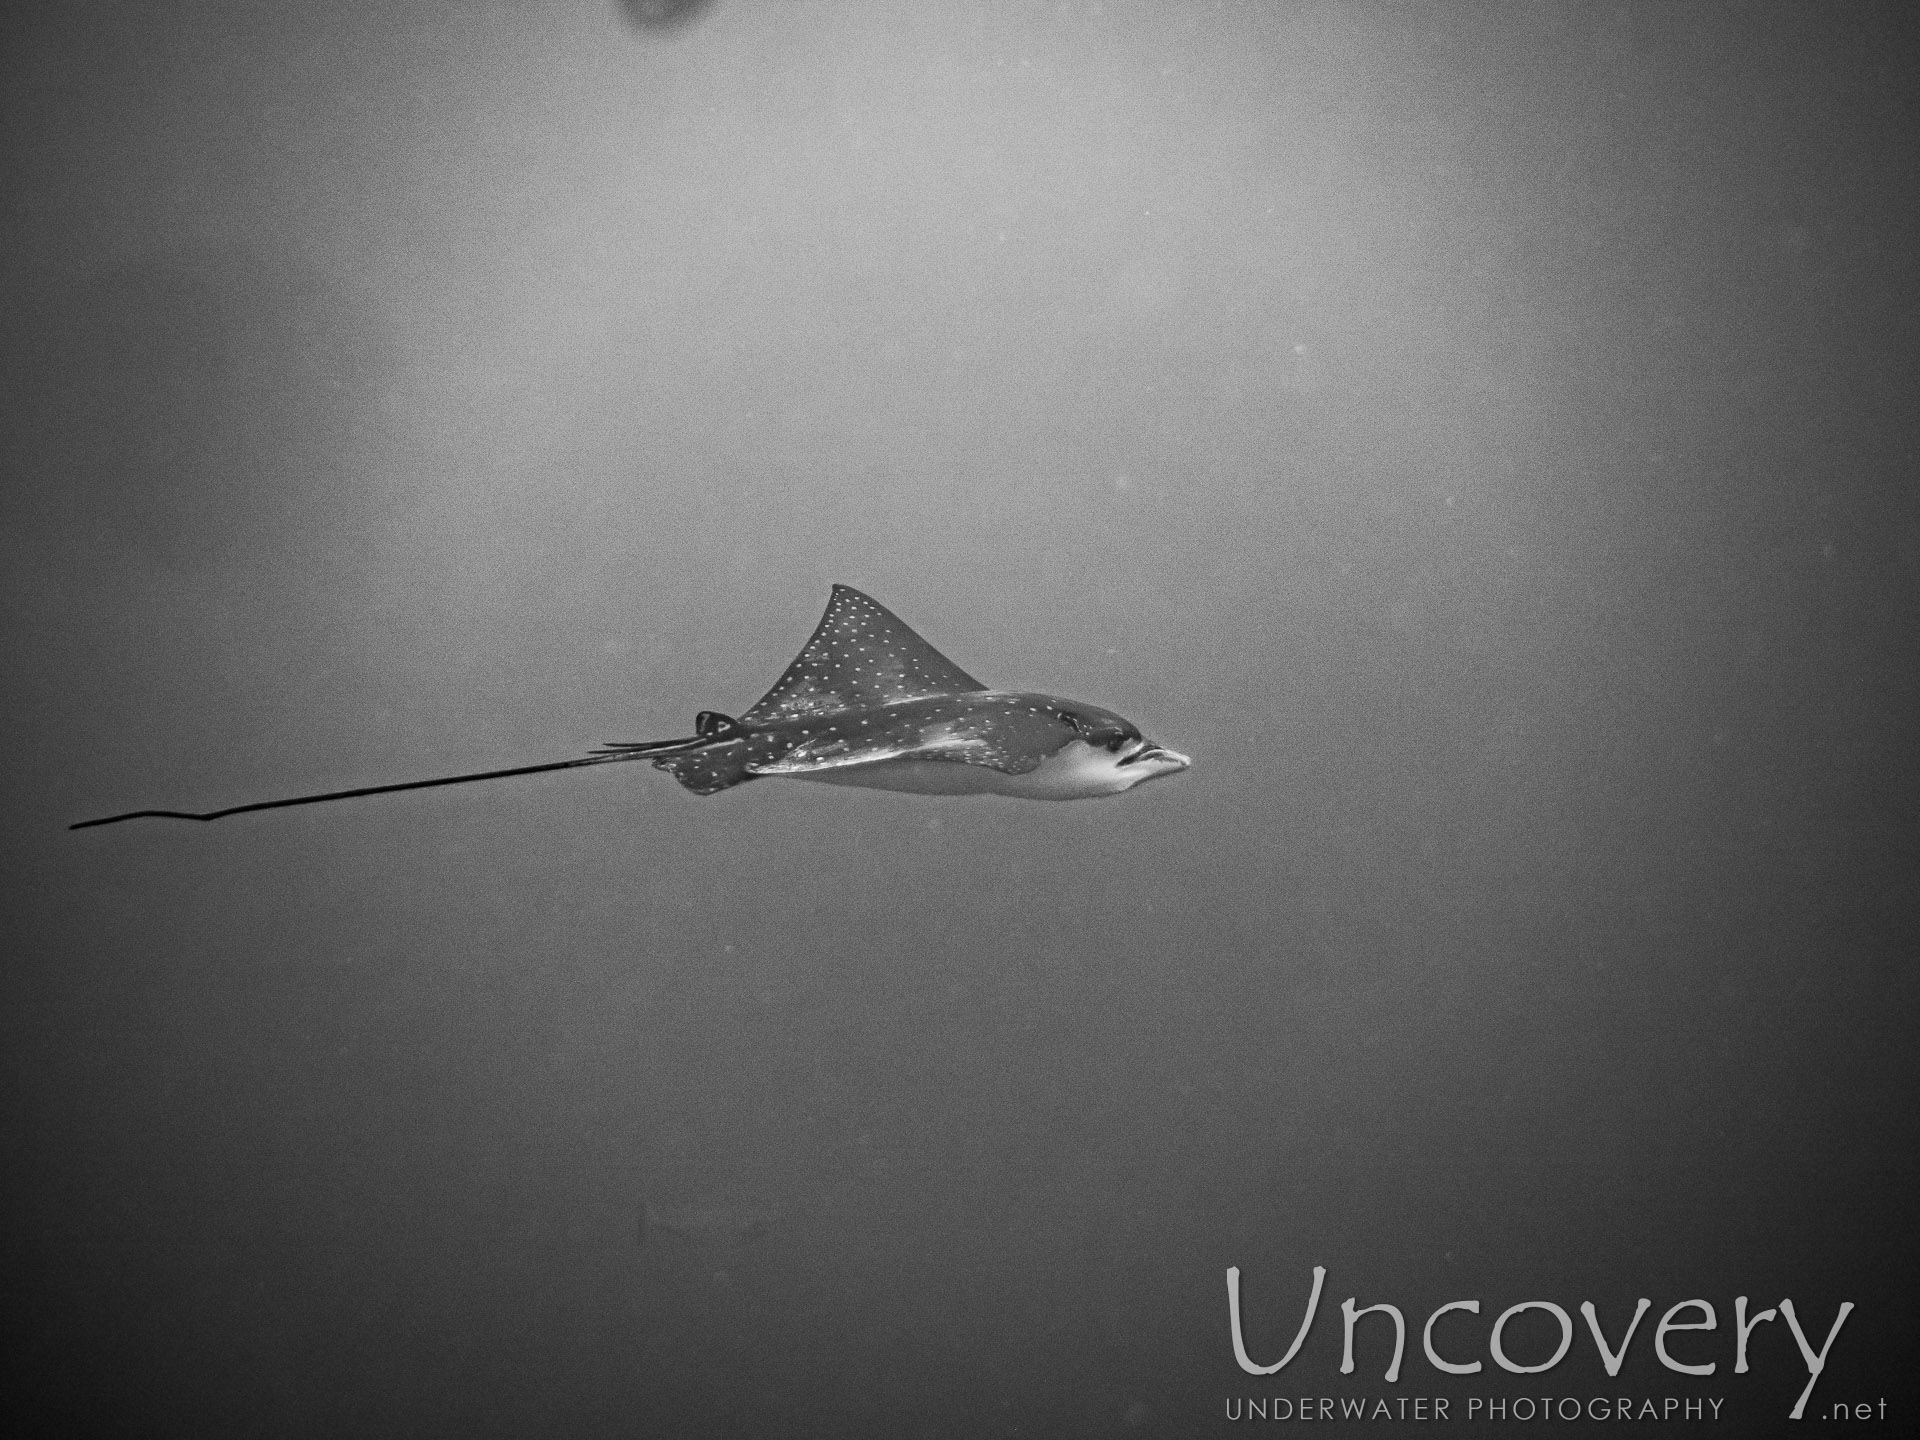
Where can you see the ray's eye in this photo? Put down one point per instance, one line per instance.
(1115, 741)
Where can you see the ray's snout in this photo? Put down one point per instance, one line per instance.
(1157, 759)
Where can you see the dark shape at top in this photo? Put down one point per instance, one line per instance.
(661, 15)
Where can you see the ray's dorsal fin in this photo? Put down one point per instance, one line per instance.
(861, 655)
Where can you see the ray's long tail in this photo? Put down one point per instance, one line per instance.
(604, 755)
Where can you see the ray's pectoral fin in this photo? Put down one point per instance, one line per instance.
(861, 655)
(710, 769)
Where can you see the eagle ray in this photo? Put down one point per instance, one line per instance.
(866, 702)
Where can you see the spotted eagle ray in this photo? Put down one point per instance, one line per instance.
(866, 702)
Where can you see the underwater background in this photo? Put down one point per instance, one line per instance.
(1482, 435)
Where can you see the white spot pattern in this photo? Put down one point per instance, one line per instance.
(861, 656)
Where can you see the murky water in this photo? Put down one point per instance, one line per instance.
(1481, 437)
